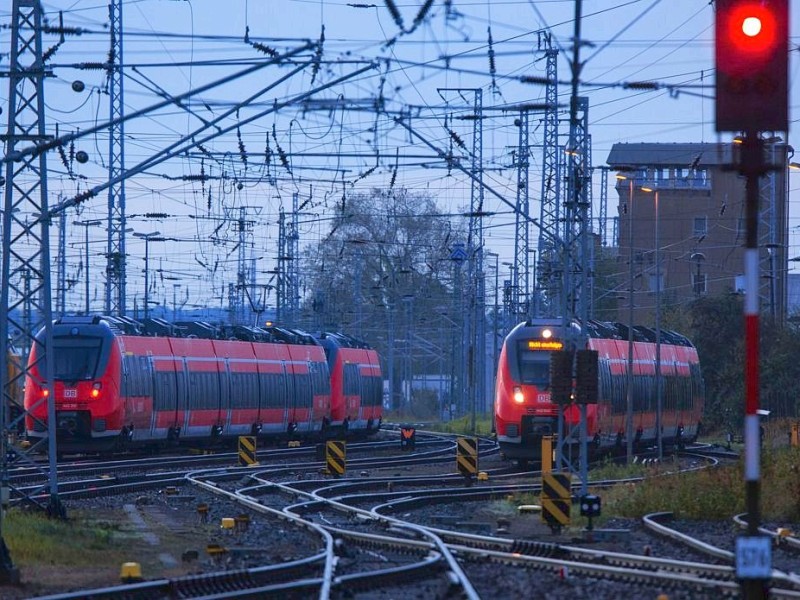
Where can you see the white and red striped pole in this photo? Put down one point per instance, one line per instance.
(752, 166)
(753, 553)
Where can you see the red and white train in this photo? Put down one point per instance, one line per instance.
(523, 410)
(120, 383)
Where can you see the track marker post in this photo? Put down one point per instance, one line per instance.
(336, 457)
(247, 451)
(467, 457)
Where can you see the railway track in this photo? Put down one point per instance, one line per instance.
(366, 533)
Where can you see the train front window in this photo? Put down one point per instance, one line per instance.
(534, 368)
(74, 358)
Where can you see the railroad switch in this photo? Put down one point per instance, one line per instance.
(483, 476)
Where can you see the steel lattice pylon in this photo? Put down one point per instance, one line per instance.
(288, 284)
(25, 263)
(476, 322)
(577, 228)
(519, 277)
(281, 308)
(602, 221)
(547, 260)
(115, 265)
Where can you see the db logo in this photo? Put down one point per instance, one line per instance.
(543, 398)
(70, 393)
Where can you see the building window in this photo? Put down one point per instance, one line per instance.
(700, 226)
(700, 178)
(699, 284)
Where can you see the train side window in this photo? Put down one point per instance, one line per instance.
(165, 395)
(302, 390)
(377, 391)
(350, 373)
(320, 383)
(244, 390)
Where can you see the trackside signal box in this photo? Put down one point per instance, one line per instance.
(561, 376)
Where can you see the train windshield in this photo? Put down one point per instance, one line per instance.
(534, 367)
(74, 358)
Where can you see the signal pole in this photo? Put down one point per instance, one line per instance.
(751, 56)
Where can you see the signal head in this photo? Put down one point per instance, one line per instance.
(752, 49)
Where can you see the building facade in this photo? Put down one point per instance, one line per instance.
(682, 220)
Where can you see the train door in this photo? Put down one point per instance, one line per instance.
(166, 412)
(287, 385)
(225, 405)
(137, 396)
(182, 413)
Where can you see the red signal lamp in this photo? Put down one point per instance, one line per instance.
(750, 35)
(752, 58)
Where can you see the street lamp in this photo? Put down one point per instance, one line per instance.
(629, 378)
(86, 225)
(658, 325)
(147, 237)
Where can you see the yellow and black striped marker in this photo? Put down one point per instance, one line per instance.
(247, 450)
(556, 500)
(467, 456)
(336, 457)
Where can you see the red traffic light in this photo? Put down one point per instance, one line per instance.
(752, 49)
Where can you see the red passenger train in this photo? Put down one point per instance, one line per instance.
(120, 383)
(524, 412)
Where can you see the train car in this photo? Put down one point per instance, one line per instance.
(523, 410)
(119, 383)
(356, 384)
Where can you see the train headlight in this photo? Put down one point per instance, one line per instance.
(519, 397)
(96, 387)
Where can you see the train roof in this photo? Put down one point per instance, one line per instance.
(616, 331)
(341, 340)
(192, 329)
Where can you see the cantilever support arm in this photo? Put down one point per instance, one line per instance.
(457, 164)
